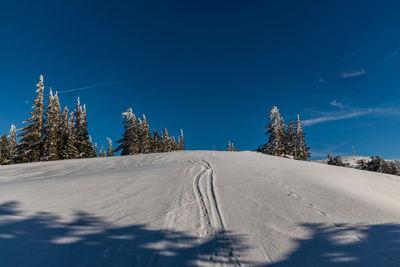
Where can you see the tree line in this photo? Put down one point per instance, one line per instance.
(50, 134)
(285, 140)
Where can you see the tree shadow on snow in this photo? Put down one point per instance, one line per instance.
(43, 239)
(346, 245)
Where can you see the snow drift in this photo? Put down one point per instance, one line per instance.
(201, 208)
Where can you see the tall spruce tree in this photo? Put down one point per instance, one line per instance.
(12, 142)
(276, 132)
(158, 143)
(52, 138)
(146, 140)
(67, 149)
(72, 150)
(95, 150)
(303, 150)
(129, 143)
(181, 142)
(110, 149)
(81, 133)
(291, 142)
(167, 141)
(4, 150)
(30, 147)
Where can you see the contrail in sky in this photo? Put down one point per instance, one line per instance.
(92, 86)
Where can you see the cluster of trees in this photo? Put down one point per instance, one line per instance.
(231, 147)
(137, 138)
(50, 134)
(374, 164)
(285, 140)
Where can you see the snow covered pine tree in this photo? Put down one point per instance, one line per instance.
(30, 147)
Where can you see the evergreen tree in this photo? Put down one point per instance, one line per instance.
(291, 141)
(81, 133)
(102, 153)
(303, 150)
(167, 142)
(181, 142)
(157, 142)
(174, 144)
(95, 150)
(276, 131)
(52, 138)
(72, 150)
(110, 149)
(129, 143)
(30, 146)
(4, 150)
(146, 141)
(12, 142)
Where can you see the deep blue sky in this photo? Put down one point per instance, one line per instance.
(213, 68)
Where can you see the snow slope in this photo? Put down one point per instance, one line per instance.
(201, 208)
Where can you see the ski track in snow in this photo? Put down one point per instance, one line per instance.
(211, 221)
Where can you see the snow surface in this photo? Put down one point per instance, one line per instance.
(202, 208)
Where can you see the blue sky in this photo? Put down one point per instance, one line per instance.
(213, 68)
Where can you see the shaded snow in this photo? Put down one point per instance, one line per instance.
(201, 208)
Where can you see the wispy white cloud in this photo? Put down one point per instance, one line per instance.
(336, 103)
(347, 113)
(354, 73)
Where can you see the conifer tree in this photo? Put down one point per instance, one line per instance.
(95, 150)
(158, 143)
(291, 141)
(181, 142)
(81, 132)
(72, 150)
(303, 150)
(67, 149)
(4, 150)
(12, 142)
(30, 146)
(52, 138)
(146, 141)
(167, 142)
(110, 149)
(129, 143)
(101, 152)
(276, 132)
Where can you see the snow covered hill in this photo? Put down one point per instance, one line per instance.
(200, 208)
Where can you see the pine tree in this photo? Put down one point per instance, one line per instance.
(72, 150)
(4, 150)
(157, 141)
(12, 142)
(167, 142)
(102, 153)
(30, 147)
(181, 142)
(52, 138)
(146, 141)
(95, 150)
(129, 143)
(291, 148)
(303, 150)
(110, 149)
(276, 132)
(81, 132)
